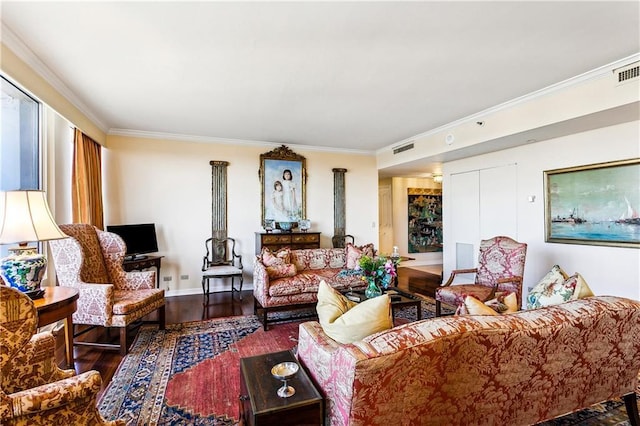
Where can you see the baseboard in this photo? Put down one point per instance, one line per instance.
(214, 288)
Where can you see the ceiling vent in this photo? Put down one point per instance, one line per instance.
(403, 148)
(627, 74)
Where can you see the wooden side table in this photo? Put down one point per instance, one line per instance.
(259, 402)
(59, 303)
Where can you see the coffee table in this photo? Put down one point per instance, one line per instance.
(399, 299)
(259, 402)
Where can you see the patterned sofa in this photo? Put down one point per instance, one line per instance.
(301, 288)
(515, 369)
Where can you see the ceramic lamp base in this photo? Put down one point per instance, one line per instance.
(23, 270)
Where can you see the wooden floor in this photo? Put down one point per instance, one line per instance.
(191, 308)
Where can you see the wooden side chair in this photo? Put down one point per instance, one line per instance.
(500, 268)
(341, 241)
(221, 261)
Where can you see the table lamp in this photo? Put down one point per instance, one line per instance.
(24, 217)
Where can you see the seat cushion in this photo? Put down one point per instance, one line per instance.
(126, 302)
(221, 271)
(454, 294)
(346, 321)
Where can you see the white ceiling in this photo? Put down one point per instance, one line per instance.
(347, 75)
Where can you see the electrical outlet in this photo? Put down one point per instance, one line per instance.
(184, 277)
(165, 279)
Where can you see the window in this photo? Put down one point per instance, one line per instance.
(19, 141)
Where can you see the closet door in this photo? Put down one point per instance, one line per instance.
(498, 202)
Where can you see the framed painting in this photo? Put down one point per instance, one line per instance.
(425, 220)
(283, 178)
(595, 204)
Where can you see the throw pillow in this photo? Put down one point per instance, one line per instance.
(281, 257)
(282, 271)
(556, 287)
(354, 254)
(346, 321)
(505, 303)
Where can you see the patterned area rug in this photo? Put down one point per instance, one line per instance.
(189, 374)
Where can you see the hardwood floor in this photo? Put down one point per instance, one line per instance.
(180, 309)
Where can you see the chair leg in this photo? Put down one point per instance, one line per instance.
(631, 403)
(161, 317)
(438, 308)
(203, 290)
(240, 291)
(123, 341)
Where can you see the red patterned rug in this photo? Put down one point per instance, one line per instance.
(189, 374)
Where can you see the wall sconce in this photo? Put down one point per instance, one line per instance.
(437, 177)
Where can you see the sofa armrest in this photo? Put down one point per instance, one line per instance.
(260, 282)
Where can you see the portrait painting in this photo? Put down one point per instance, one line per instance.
(282, 173)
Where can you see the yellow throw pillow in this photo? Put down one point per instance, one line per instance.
(582, 289)
(476, 307)
(511, 300)
(346, 321)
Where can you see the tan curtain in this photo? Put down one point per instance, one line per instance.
(86, 181)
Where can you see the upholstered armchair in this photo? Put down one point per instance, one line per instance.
(33, 390)
(500, 268)
(91, 261)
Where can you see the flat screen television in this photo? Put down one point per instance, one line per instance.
(139, 238)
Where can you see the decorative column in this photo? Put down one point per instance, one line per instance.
(219, 199)
(339, 219)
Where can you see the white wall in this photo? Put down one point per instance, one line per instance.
(607, 270)
(169, 183)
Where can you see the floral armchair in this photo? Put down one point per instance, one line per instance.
(500, 268)
(33, 390)
(91, 261)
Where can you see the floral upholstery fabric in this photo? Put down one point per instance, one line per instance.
(33, 390)
(501, 261)
(282, 271)
(557, 287)
(521, 368)
(124, 298)
(354, 254)
(280, 257)
(312, 266)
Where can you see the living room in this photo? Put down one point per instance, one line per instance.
(493, 160)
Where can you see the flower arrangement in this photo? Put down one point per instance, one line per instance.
(380, 270)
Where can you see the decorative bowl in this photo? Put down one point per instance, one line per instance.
(284, 370)
(285, 226)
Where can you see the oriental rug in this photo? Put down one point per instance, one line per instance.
(189, 374)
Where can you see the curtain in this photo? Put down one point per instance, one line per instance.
(86, 181)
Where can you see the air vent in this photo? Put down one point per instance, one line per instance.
(403, 148)
(628, 73)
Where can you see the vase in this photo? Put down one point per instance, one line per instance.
(372, 289)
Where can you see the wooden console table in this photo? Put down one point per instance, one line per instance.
(59, 303)
(140, 263)
(295, 240)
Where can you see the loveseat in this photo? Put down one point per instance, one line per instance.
(293, 282)
(515, 369)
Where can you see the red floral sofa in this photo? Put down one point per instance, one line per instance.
(289, 278)
(515, 369)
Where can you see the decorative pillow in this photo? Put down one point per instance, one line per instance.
(505, 303)
(282, 271)
(281, 257)
(346, 321)
(556, 287)
(354, 254)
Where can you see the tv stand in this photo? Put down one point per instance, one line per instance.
(139, 263)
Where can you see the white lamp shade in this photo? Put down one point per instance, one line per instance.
(25, 216)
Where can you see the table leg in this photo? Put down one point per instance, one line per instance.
(68, 341)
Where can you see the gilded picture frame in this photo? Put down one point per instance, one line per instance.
(594, 204)
(283, 178)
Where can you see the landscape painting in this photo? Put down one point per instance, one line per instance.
(596, 204)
